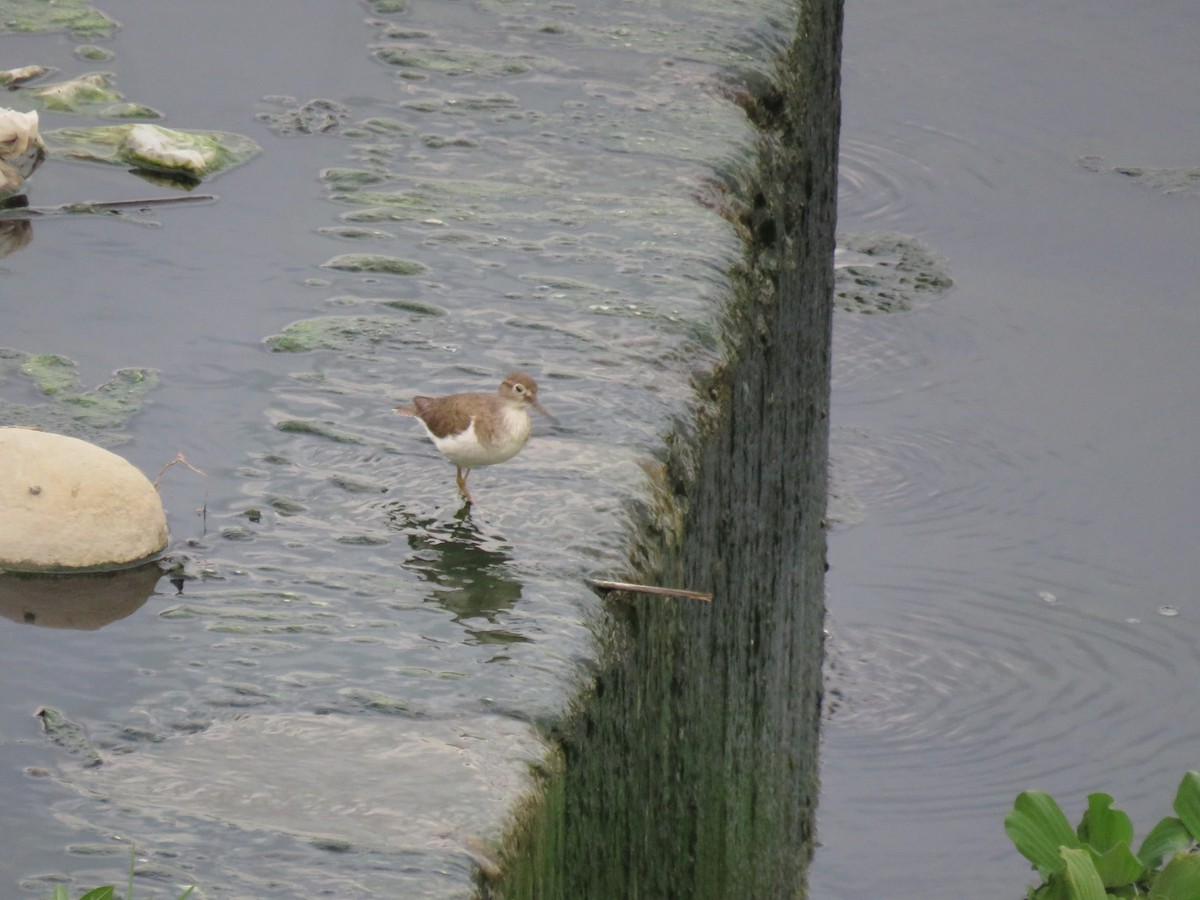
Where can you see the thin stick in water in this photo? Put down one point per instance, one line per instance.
(652, 589)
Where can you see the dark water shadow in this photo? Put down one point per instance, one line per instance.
(82, 602)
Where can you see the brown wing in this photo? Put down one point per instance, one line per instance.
(445, 416)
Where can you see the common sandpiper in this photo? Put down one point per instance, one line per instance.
(479, 429)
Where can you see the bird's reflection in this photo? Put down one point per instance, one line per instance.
(469, 571)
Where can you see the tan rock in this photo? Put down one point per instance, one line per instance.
(67, 505)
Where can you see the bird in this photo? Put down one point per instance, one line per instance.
(479, 429)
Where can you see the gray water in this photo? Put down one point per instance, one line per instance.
(345, 689)
(1013, 459)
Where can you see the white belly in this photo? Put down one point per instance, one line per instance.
(467, 450)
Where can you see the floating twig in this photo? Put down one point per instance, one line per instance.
(66, 209)
(203, 510)
(179, 458)
(652, 589)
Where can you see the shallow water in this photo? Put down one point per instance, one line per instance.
(344, 690)
(1013, 459)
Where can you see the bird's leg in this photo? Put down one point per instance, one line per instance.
(462, 483)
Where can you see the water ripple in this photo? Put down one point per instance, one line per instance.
(876, 182)
(924, 477)
(971, 693)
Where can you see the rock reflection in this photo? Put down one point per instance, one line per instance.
(16, 231)
(84, 602)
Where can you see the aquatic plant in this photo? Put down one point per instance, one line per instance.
(1096, 860)
(107, 891)
(193, 155)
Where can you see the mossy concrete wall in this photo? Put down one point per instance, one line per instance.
(689, 770)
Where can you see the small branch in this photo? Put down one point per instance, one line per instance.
(651, 589)
(25, 212)
(179, 458)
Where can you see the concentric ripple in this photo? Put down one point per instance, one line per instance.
(874, 182)
(928, 477)
(969, 694)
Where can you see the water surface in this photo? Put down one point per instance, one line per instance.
(346, 686)
(1013, 459)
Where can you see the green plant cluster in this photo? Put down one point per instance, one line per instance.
(108, 891)
(102, 893)
(1096, 860)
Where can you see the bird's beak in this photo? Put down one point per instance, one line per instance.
(541, 409)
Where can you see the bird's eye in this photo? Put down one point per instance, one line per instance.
(519, 388)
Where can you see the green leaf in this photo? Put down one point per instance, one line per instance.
(1038, 828)
(1055, 889)
(1083, 881)
(1108, 834)
(1187, 803)
(1180, 880)
(1102, 826)
(100, 893)
(1117, 866)
(1168, 837)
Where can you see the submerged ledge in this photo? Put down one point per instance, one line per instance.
(688, 767)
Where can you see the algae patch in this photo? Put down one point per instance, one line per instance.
(883, 273)
(68, 735)
(1173, 181)
(182, 154)
(289, 117)
(345, 333)
(69, 96)
(36, 17)
(69, 408)
(375, 263)
(423, 61)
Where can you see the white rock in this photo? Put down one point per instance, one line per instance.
(66, 505)
(18, 132)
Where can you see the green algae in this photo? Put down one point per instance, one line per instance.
(23, 75)
(129, 111)
(93, 415)
(378, 702)
(38, 16)
(68, 735)
(317, 429)
(92, 93)
(382, 125)
(457, 200)
(354, 233)
(51, 373)
(441, 141)
(94, 53)
(375, 263)
(422, 61)
(462, 104)
(1171, 181)
(886, 273)
(176, 153)
(72, 96)
(567, 285)
(387, 7)
(289, 117)
(343, 333)
(413, 306)
(346, 178)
